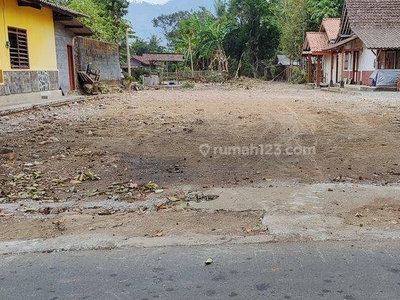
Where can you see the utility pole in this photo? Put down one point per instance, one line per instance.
(128, 52)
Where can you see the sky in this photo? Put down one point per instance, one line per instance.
(151, 1)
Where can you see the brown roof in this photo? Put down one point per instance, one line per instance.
(160, 57)
(375, 22)
(77, 27)
(315, 42)
(373, 13)
(341, 43)
(142, 60)
(331, 26)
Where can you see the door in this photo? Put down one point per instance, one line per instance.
(390, 60)
(355, 78)
(71, 71)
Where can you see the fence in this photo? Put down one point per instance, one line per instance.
(208, 76)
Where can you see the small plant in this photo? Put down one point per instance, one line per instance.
(299, 76)
(188, 85)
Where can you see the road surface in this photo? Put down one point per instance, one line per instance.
(328, 270)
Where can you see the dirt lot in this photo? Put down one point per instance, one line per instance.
(124, 141)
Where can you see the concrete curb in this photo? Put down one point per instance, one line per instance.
(12, 109)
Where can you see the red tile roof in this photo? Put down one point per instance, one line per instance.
(331, 26)
(315, 42)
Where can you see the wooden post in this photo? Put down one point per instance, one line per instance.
(309, 72)
(128, 54)
(332, 62)
(318, 70)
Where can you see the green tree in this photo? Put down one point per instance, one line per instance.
(319, 9)
(212, 35)
(293, 22)
(256, 36)
(169, 23)
(187, 38)
(105, 17)
(141, 46)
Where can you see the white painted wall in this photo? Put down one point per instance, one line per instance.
(367, 60)
(326, 67)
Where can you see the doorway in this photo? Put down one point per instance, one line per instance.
(355, 78)
(71, 71)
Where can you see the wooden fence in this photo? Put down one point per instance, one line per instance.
(189, 75)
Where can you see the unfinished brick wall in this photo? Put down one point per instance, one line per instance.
(102, 56)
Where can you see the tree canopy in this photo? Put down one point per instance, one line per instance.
(243, 35)
(240, 37)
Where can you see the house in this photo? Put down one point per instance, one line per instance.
(66, 28)
(314, 49)
(137, 61)
(154, 59)
(28, 58)
(42, 46)
(366, 49)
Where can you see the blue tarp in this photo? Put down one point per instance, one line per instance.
(385, 77)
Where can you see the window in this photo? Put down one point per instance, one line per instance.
(18, 48)
(346, 65)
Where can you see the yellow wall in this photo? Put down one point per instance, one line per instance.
(40, 31)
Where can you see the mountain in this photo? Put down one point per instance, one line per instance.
(142, 14)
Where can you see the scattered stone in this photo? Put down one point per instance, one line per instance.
(199, 197)
(6, 150)
(104, 212)
(173, 199)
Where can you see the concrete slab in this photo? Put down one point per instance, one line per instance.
(14, 104)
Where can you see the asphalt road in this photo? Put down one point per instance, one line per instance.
(328, 270)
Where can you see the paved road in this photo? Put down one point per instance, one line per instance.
(329, 270)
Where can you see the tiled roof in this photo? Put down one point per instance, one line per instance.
(331, 27)
(316, 41)
(374, 13)
(141, 60)
(163, 57)
(375, 22)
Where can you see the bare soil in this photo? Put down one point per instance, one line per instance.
(155, 135)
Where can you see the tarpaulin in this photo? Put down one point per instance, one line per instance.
(385, 77)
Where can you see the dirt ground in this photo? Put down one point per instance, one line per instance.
(119, 143)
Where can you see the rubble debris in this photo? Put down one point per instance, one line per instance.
(208, 261)
(86, 175)
(359, 215)
(172, 199)
(60, 225)
(199, 197)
